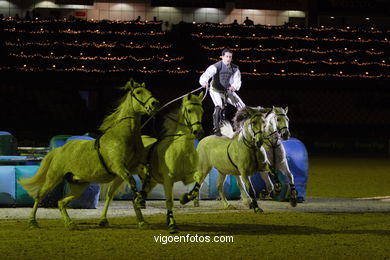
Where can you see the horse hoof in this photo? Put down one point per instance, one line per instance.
(103, 223)
(143, 225)
(184, 199)
(230, 207)
(258, 210)
(72, 226)
(293, 198)
(173, 229)
(33, 224)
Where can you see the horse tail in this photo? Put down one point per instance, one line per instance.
(227, 129)
(35, 183)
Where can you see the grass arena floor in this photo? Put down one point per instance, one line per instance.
(346, 216)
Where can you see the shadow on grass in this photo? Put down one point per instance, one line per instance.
(238, 229)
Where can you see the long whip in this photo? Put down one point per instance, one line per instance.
(174, 100)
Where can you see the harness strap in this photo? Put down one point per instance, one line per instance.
(230, 159)
(101, 159)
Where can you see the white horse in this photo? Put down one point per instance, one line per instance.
(277, 130)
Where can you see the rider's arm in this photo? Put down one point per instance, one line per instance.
(207, 75)
(236, 80)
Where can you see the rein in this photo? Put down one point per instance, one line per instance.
(174, 100)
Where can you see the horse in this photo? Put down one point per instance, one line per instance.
(278, 128)
(172, 157)
(241, 155)
(115, 153)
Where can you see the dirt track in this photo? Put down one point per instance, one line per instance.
(124, 208)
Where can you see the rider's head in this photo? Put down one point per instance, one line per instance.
(227, 56)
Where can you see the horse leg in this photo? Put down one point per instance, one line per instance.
(45, 189)
(168, 189)
(109, 196)
(268, 184)
(76, 189)
(220, 181)
(244, 195)
(138, 202)
(293, 198)
(194, 193)
(251, 192)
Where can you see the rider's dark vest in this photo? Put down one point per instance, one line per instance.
(222, 77)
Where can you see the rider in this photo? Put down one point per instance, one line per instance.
(226, 80)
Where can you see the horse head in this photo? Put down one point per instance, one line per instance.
(192, 112)
(253, 121)
(282, 122)
(143, 100)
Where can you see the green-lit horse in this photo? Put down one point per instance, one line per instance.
(241, 155)
(172, 157)
(277, 129)
(116, 153)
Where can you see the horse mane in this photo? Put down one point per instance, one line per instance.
(110, 120)
(170, 121)
(245, 113)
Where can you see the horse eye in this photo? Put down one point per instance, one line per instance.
(189, 110)
(138, 92)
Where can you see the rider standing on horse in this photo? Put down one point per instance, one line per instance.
(226, 80)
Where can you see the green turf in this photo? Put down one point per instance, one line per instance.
(274, 235)
(347, 177)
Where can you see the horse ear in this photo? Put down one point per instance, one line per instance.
(286, 109)
(201, 95)
(143, 84)
(129, 84)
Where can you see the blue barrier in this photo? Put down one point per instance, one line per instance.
(297, 159)
(7, 185)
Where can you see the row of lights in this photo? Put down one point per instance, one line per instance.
(281, 37)
(54, 67)
(37, 20)
(295, 27)
(70, 31)
(316, 51)
(81, 57)
(131, 45)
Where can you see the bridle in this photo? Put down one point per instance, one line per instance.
(188, 123)
(136, 98)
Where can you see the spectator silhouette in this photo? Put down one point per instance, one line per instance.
(27, 17)
(248, 21)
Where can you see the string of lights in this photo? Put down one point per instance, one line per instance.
(321, 28)
(77, 22)
(316, 51)
(71, 31)
(301, 61)
(54, 68)
(92, 58)
(312, 73)
(131, 45)
(286, 38)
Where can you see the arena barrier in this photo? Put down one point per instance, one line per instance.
(297, 159)
(16, 167)
(8, 144)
